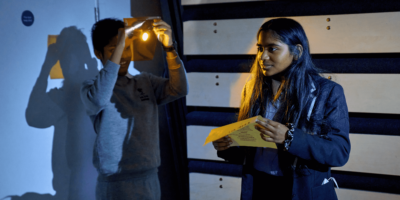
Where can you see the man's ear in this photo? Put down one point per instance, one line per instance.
(98, 54)
(299, 51)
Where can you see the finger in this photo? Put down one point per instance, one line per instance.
(163, 25)
(267, 133)
(161, 28)
(266, 138)
(157, 31)
(221, 148)
(153, 18)
(262, 121)
(269, 140)
(161, 22)
(221, 142)
(274, 123)
(217, 145)
(160, 35)
(264, 128)
(267, 126)
(129, 34)
(261, 124)
(266, 121)
(224, 139)
(260, 128)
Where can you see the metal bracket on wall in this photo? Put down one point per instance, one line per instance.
(96, 11)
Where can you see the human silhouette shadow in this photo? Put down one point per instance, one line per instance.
(74, 176)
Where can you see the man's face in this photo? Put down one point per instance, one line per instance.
(125, 59)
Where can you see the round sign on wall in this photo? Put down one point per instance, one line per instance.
(27, 18)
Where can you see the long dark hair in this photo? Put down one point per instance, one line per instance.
(296, 85)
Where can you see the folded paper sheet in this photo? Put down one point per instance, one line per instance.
(56, 71)
(242, 133)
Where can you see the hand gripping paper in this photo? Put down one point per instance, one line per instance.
(242, 133)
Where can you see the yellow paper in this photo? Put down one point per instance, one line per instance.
(242, 133)
(56, 71)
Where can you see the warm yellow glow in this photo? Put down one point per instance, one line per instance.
(145, 36)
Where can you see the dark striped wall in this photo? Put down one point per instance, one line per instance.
(366, 123)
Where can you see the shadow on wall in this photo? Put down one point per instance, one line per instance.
(74, 176)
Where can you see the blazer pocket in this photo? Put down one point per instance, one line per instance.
(324, 192)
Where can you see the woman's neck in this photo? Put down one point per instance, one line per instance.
(277, 79)
(275, 86)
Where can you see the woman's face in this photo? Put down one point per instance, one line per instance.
(273, 55)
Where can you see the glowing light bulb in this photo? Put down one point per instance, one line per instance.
(145, 36)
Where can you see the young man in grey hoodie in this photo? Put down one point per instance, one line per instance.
(123, 109)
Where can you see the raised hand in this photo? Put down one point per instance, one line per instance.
(117, 54)
(163, 32)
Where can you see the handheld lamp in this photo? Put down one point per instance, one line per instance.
(141, 37)
(145, 36)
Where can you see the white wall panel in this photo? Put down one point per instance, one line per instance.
(206, 186)
(208, 90)
(196, 136)
(376, 154)
(368, 93)
(364, 195)
(350, 33)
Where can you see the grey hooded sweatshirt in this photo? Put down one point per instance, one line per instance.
(124, 112)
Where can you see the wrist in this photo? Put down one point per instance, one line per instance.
(116, 56)
(289, 137)
(171, 54)
(169, 44)
(170, 48)
(120, 45)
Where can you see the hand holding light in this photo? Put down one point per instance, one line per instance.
(143, 33)
(141, 26)
(163, 32)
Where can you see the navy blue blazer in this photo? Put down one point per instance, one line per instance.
(321, 141)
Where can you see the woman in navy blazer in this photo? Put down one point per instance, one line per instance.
(303, 113)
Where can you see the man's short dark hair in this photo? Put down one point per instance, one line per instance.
(103, 31)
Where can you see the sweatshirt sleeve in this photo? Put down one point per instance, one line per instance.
(331, 148)
(167, 90)
(95, 93)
